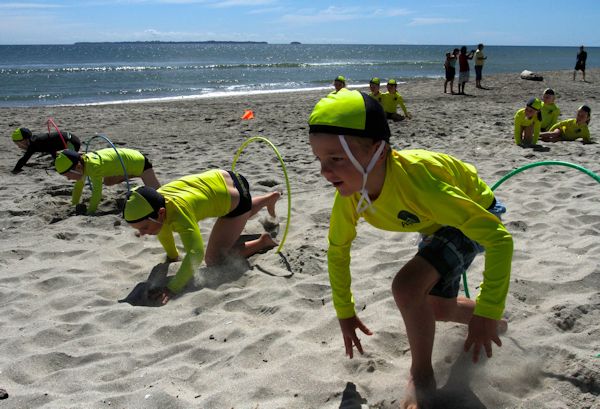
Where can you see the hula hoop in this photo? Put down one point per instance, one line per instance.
(87, 145)
(287, 181)
(49, 122)
(523, 168)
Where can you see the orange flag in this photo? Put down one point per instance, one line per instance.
(248, 114)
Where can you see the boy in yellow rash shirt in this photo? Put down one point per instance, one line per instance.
(179, 205)
(528, 124)
(391, 100)
(418, 191)
(571, 129)
(103, 167)
(550, 111)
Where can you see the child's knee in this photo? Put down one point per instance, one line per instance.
(402, 291)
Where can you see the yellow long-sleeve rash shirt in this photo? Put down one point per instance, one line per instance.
(103, 163)
(572, 131)
(522, 121)
(437, 190)
(391, 101)
(189, 200)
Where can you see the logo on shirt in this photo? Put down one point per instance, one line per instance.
(408, 218)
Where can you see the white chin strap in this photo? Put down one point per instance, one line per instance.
(364, 202)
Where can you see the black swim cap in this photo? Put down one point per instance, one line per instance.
(350, 113)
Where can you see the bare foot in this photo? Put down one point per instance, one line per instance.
(273, 197)
(266, 242)
(418, 397)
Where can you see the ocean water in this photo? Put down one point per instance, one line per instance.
(92, 73)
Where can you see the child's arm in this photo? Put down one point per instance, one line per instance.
(21, 162)
(518, 128)
(537, 127)
(194, 247)
(454, 208)
(402, 106)
(96, 193)
(585, 134)
(77, 190)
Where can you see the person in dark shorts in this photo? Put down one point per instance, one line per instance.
(179, 205)
(103, 167)
(51, 143)
(432, 193)
(450, 70)
(580, 64)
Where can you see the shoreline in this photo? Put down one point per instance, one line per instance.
(252, 92)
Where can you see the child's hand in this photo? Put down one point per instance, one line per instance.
(348, 327)
(482, 331)
(161, 294)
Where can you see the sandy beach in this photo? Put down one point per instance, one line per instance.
(263, 333)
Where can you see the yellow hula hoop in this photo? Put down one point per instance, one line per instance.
(287, 181)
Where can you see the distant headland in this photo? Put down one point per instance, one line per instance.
(171, 42)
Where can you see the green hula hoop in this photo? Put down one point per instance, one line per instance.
(87, 145)
(287, 181)
(523, 168)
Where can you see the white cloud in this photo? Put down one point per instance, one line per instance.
(328, 15)
(433, 21)
(391, 12)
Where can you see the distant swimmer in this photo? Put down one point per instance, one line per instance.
(179, 205)
(44, 143)
(528, 123)
(571, 129)
(103, 167)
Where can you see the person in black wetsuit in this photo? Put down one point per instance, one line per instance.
(44, 142)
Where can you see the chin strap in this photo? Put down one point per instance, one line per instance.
(364, 202)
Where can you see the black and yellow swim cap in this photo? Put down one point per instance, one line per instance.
(21, 133)
(392, 81)
(535, 103)
(375, 80)
(350, 113)
(142, 202)
(340, 78)
(65, 161)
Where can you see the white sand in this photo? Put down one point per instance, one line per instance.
(267, 336)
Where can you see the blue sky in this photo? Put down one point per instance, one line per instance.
(492, 22)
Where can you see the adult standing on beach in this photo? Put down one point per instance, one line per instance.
(463, 68)
(580, 64)
(450, 68)
(479, 59)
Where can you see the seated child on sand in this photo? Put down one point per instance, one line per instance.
(179, 205)
(391, 100)
(550, 111)
(528, 123)
(103, 167)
